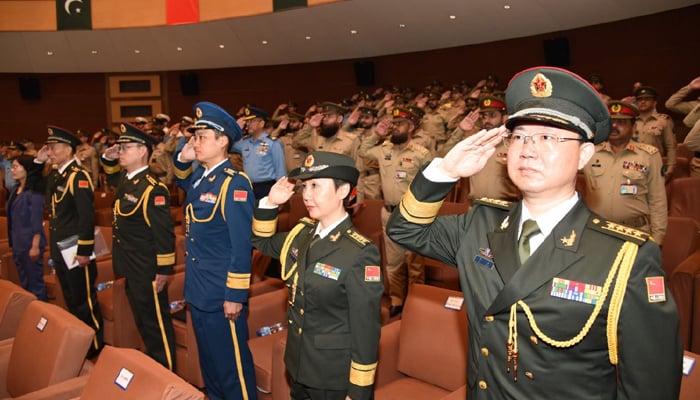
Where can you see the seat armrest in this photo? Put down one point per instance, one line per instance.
(66, 390)
(280, 384)
(5, 351)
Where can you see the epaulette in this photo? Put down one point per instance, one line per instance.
(357, 237)
(647, 148)
(619, 231)
(76, 168)
(230, 171)
(153, 181)
(502, 204)
(418, 147)
(308, 221)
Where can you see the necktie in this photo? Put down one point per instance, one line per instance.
(314, 240)
(530, 229)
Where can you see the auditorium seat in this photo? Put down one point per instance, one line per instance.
(291, 212)
(13, 301)
(103, 200)
(49, 348)
(684, 285)
(683, 198)
(690, 384)
(423, 355)
(681, 240)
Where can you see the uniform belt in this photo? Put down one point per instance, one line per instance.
(389, 208)
(371, 172)
(636, 222)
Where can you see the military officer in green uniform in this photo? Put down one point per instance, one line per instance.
(624, 178)
(334, 278)
(71, 207)
(561, 303)
(143, 243)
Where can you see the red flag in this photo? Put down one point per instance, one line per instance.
(182, 11)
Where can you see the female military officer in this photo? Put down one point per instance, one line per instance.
(334, 278)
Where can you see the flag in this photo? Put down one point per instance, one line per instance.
(73, 15)
(182, 11)
(278, 5)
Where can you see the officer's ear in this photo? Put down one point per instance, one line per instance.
(343, 190)
(586, 151)
(338, 119)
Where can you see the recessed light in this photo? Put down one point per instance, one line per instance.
(179, 48)
(353, 32)
(137, 51)
(453, 17)
(507, 7)
(93, 52)
(221, 46)
(264, 42)
(402, 25)
(49, 53)
(308, 38)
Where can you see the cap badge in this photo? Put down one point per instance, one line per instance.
(122, 128)
(616, 108)
(540, 86)
(247, 111)
(487, 102)
(50, 131)
(198, 112)
(397, 112)
(309, 161)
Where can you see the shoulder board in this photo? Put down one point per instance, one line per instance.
(502, 204)
(308, 221)
(619, 231)
(76, 168)
(273, 138)
(419, 148)
(153, 181)
(647, 148)
(357, 237)
(230, 171)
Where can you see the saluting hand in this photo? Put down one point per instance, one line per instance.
(315, 120)
(354, 116)
(112, 152)
(383, 127)
(695, 84)
(187, 153)
(281, 191)
(468, 122)
(470, 155)
(43, 154)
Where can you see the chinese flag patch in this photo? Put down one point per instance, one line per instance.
(656, 289)
(373, 273)
(240, 195)
(83, 184)
(159, 200)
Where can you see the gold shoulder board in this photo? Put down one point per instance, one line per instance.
(230, 171)
(619, 231)
(357, 237)
(502, 204)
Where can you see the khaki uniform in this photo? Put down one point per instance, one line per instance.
(456, 136)
(434, 124)
(161, 163)
(657, 130)
(628, 188)
(692, 142)
(342, 142)
(370, 186)
(493, 181)
(87, 155)
(691, 120)
(293, 157)
(397, 168)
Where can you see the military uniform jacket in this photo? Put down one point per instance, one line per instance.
(691, 108)
(71, 204)
(335, 295)
(613, 179)
(142, 229)
(342, 142)
(580, 250)
(218, 217)
(657, 130)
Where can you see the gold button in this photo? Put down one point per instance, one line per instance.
(300, 331)
(483, 385)
(488, 318)
(485, 351)
(301, 311)
(529, 375)
(534, 340)
(191, 239)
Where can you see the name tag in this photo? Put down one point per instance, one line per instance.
(327, 271)
(628, 189)
(400, 175)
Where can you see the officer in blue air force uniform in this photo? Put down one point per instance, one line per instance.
(218, 220)
(561, 303)
(335, 282)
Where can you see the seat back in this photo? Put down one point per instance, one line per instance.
(50, 347)
(368, 218)
(690, 384)
(433, 338)
(130, 374)
(684, 285)
(13, 302)
(683, 198)
(681, 240)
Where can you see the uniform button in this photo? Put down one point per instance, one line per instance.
(192, 259)
(300, 331)
(530, 375)
(187, 253)
(301, 311)
(191, 239)
(488, 318)
(485, 351)
(534, 339)
(483, 385)
(301, 292)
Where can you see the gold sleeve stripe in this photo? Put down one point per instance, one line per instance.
(361, 374)
(86, 242)
(182, 173)
(166, 259)
(418, 212)
(238, 281)
(111, 169)
(264, 228)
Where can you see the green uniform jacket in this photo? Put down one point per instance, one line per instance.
(581, 249)
(334, 319)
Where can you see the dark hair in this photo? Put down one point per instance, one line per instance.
(35, 181)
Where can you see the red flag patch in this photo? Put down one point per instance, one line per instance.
(656, 289)
(240, 195)
(159, 200)
(83, 184)
(373, 273)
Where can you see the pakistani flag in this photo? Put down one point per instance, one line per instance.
(73, 14)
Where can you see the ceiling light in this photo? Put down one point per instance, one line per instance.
(507, 7)
(137, 51)
(453, 17)
(49, 53)
(179, 48)
(264, 42)
(402, 25)
(93, 52)
(221, 46)
(353, 32)
(308, 38)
